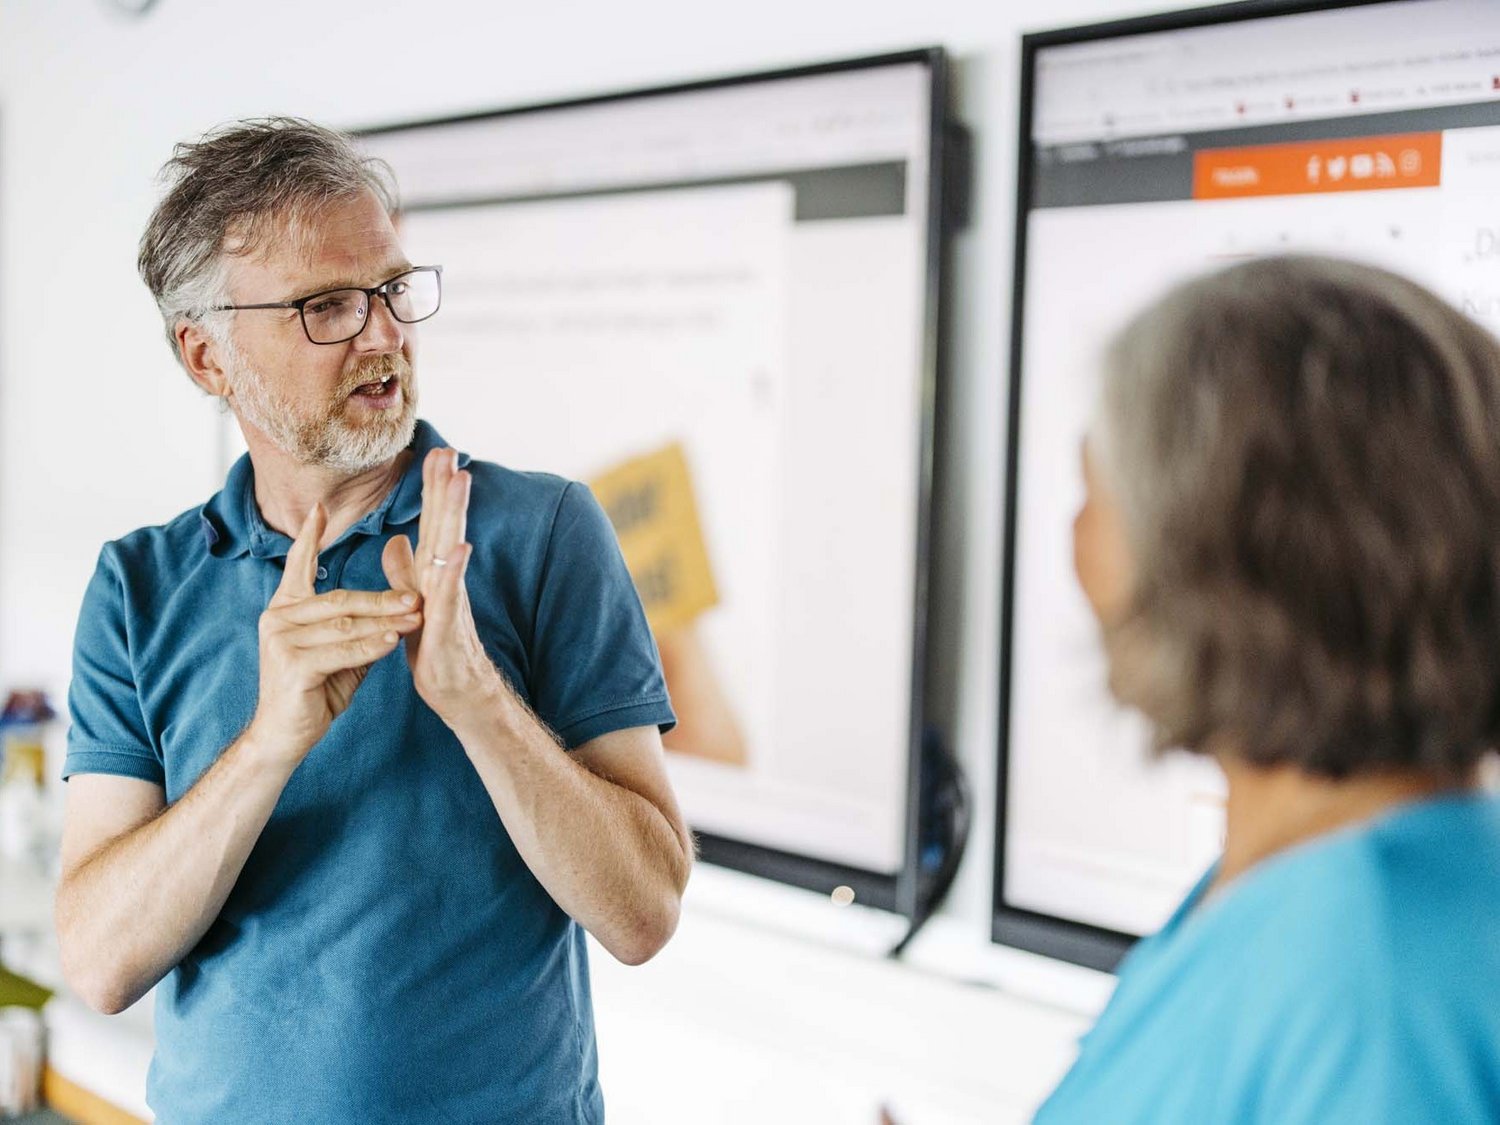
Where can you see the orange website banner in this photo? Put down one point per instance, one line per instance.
(1402, 160)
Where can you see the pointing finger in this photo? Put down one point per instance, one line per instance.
(349, 603)
(301, 569)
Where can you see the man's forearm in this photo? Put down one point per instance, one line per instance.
(608, 856)
(130, 911)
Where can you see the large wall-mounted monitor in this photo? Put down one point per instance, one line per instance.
(717, 304)
(1152, 150)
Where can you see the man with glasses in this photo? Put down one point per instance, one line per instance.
(360, 877)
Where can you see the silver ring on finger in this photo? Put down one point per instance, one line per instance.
(439, 562)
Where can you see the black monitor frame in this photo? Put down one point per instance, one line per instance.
(891, 891)
(1092, 946)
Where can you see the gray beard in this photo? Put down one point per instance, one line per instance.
(330, 441)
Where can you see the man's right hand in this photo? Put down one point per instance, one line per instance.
(315, 649)
(142, 879)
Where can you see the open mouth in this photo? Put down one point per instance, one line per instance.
(378, 389)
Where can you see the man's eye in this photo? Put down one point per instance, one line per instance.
(325, 306)
(398, 288)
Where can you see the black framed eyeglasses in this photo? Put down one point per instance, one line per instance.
(335, 316)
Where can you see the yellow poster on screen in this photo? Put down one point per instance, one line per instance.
(649, 499)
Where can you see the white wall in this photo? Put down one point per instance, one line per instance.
(99, 430)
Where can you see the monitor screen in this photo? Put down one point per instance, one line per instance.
(1152, 151)
(713, 304)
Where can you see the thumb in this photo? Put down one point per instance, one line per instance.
(399, 565)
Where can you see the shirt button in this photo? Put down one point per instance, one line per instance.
(322, 573)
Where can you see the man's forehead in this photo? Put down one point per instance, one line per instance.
(343, 243)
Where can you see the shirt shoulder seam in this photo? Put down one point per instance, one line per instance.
(541, 580)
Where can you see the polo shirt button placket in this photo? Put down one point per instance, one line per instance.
(331, 566)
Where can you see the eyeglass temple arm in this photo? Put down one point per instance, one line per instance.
(372, 292)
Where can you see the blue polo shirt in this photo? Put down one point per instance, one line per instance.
(1350, 980)
(385, 955)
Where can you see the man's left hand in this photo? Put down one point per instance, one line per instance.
(448, 663)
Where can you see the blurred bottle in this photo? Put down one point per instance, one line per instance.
(24, 827)
(21, 1041)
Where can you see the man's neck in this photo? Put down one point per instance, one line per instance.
(286, 490)
(1270, 809)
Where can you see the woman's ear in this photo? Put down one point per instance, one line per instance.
(1101, 552)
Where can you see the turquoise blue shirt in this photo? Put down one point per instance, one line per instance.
(1353, 979)
(385, 955)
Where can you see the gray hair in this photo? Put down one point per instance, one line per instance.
(234, 190)
(1306, 457)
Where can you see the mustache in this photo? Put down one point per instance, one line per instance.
(377, 367)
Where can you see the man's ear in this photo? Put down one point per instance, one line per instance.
(201, 355)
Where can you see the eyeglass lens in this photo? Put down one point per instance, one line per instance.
(341, 314)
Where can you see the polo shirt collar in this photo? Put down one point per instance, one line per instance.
(233, 526)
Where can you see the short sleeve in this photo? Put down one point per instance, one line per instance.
(594, 664)
(107, 732)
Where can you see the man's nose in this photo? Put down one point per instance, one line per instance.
(383, 333)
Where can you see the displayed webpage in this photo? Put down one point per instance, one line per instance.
(1370, 133)
(711, 307)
